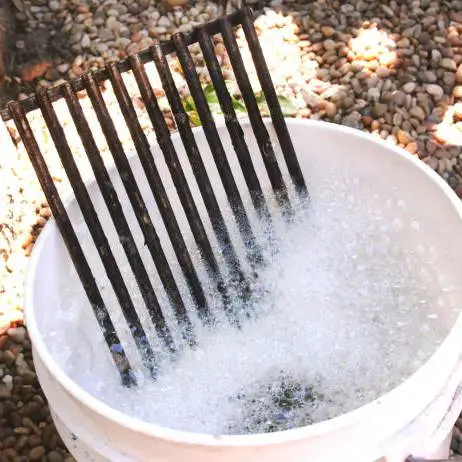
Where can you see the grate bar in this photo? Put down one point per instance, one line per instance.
(127, 177)
(200, 174)
(111, 199)
(217, 150)
(259, 128)
(155, 183)
(144, 151)
(232, 123)
(101, 242)
(269, 91)
(100, 75)
(163, 138)
(72, 244)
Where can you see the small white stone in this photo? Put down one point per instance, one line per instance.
(8, 381)
(409, 87)
(85, 43)
(54, 5)
(63, 68)
(164, 22)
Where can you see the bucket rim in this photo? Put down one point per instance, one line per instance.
(439, 360)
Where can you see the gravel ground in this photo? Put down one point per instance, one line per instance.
(391, 68)
(27, 432)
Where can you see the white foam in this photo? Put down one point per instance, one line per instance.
(354, 301)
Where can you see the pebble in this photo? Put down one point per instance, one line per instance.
(388, 11)
(8, 357)
(37, 453)
(63, 68)
(373, 94)
(22, 367)
(86, 41)
(434, 90)
(327, 31)
(8, 381)
(448, 64)
(418, 113)
(5, 391)
(155, 31)
(54, 456)
(459, 74)
(54, 5)
(101, 48)
(397, 119)
(379, 110)
(164, 22)
(330, 108)
(143, 4)
(429, 77)
(17, 334)
(399, 97)
(436, 56)
(105, 34)
(409, 87)
(403, 137)
(412, 147)
(112, 23)
(382, 72)
(457, 91)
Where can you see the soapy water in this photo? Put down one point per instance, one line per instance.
(354, 300)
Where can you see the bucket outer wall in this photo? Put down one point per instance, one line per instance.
(415, 419)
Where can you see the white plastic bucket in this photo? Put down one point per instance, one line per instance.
(416, 418)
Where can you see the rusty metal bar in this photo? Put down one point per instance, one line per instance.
(157, 188)
(110, 196)
(216, 147)
(259, 128)
(97, 232)
(163, 136)
(30, 103)
(144, 152)
(171, 158)
(131, 187)
(72, 244)
(273, 103)
(235, 130)
(200, 174)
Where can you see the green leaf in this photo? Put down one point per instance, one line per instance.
(287, 107)
(260, 97)
(212, 99)
(214, 104)
(239, 106)
(194, 117)
(210, 94)
(189, 104)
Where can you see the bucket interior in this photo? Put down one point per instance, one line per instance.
(364, 283)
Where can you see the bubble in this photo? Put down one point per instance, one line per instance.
(338, 317)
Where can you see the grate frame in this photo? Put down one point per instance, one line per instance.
(43, 99)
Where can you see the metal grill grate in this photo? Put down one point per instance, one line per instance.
(113, 72)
